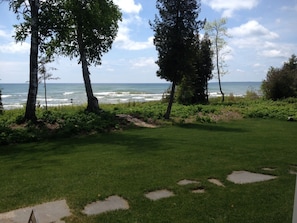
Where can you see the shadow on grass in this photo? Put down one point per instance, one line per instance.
(127, 142)
(132, 141)
(211, 127)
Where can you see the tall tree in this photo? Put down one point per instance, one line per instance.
(193, 88)
(86, 30)
(204, 69)
(218, 32)
(29, 10)
(175, 29)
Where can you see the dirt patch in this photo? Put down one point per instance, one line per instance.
(224, 115)
(137, 121)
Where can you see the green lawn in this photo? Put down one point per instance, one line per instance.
(133, 162)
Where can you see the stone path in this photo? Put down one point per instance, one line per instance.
(159, 194)
(186, 182)
(245, 177)
(110, 204)
(53, 212)
(216, 182)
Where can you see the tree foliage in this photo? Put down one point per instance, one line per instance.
(85, 29)
(74, 28)
(281, 82)
(193, 88)
(175, 30)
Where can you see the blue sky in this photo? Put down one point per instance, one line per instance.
(263, 35)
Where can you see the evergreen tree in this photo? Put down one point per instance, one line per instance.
(204, 70)
(175, 30)
(194, 88)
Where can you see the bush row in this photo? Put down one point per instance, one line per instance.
(71, 121)
(55, 123)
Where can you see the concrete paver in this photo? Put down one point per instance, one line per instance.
(50, 212)
(159, 194)
(245, 177)
(112, 203)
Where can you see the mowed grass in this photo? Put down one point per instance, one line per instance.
(133, 162)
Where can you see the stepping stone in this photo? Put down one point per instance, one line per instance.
(50, 212)
(268, 169)
(198, 191)
(112, 203)
(245, 177)
(159, 194)
(216, 182)
(186, 182)
(293, 169)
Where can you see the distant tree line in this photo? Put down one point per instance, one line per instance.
(281, 82)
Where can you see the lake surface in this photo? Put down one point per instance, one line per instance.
(15, 95)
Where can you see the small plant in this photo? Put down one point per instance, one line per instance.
(251, 95)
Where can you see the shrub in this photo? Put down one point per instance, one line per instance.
(281, 82)
(251, 95)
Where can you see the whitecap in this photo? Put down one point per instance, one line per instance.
(68, 93)
(6, 96)
(57, 99)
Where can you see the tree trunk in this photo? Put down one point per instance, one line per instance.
(93, 105)
(45, 93)
(171, 99)
(33, 82)
(218, 69)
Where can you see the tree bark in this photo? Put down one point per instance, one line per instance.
(33, 82)
(218, 69)
(171, 99)
(93, 105)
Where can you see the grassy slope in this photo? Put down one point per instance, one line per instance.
(133, 162)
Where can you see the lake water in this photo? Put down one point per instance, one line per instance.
(15, 95)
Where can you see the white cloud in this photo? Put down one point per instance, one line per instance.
(13, 47)
(272, 53)
(4, 34)
(128, 6)
(252, 29)
(257, 65)
(124, 41)
(290, 8)
(143, 62)
(131, 19)
(230, 6)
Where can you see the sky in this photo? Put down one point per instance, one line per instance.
(262, 34)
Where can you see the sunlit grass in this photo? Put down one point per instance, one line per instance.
(132, 162)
